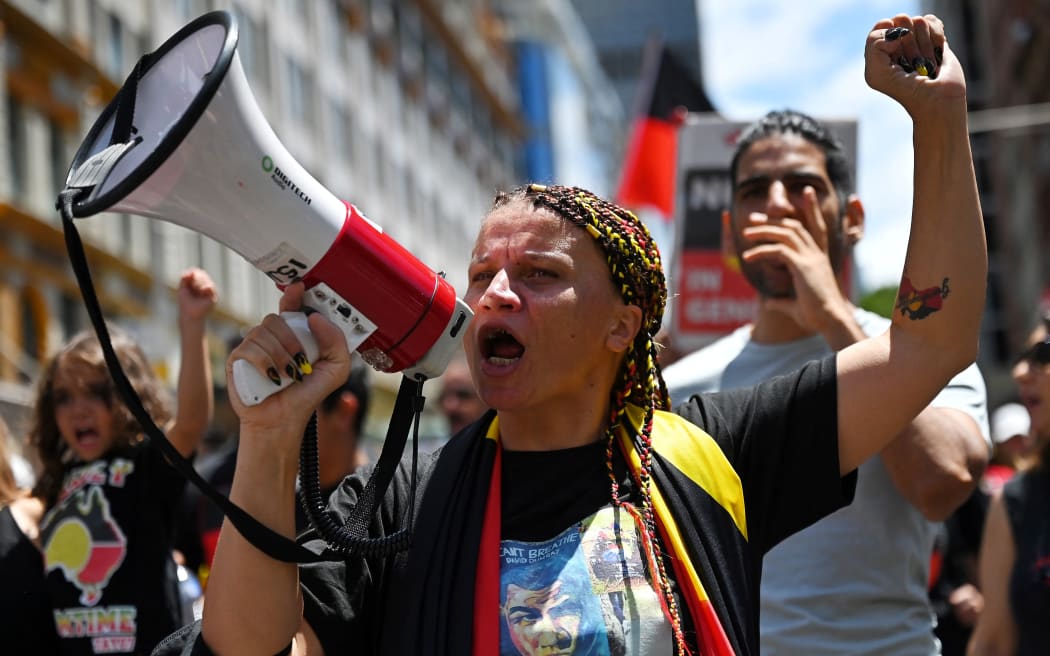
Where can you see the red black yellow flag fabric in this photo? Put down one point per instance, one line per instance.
(667, 90)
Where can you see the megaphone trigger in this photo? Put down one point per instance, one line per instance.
(254, 387)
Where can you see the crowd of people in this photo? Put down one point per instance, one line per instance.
(822, 481)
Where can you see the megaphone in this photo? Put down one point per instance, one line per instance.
(185, 141)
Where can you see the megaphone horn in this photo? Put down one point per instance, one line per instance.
(185, 141)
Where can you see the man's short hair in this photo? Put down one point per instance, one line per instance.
(356, 383)
(789, 121)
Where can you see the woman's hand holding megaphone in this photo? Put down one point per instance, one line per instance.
(302, 357)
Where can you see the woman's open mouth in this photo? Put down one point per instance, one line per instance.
(499, 347)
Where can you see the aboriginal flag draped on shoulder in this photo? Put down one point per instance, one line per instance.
(450, 603)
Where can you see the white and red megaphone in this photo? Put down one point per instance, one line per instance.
(185, 141)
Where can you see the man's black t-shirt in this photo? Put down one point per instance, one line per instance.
(780, 438)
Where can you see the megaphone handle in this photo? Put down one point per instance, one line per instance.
(253, 386)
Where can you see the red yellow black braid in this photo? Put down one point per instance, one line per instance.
(637, 272)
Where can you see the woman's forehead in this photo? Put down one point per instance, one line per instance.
(521, 226)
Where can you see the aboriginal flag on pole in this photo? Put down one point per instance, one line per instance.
(667, 90)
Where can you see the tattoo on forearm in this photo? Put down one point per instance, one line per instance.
(920, 303)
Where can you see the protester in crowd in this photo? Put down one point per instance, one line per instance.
(955, 596)
(107, 537)
(954, 593)
(458, 399)
(580, 470)
(792, 223)
(340, 427)
(1014, 566)
(1012, 445)
(26, 626)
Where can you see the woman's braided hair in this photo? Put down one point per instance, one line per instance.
(637, 273)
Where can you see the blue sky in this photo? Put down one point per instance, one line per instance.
(768, 54)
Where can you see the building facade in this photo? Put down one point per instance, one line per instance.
(409, 109)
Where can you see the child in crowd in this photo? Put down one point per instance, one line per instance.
(110, 498)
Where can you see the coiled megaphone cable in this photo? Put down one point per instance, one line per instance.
(341, 541)
(347, 538)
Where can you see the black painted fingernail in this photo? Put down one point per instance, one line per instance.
(903, 62)
(290, 370)
(919, 64)
(274, 376)
(932, 68)
(303, 363)
(938, 52)
(895, 33)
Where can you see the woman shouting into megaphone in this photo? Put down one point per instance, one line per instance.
(583, 514)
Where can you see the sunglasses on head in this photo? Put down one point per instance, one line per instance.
(1038, 353)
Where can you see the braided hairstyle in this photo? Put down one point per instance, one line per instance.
(637, 273)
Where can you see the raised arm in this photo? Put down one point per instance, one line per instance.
(196, 297)
(253, 604)
(886, 381)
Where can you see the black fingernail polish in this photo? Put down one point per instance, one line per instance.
(895, 33)
(931, 69)
(938, 52)
(274, 376)
(903, 62)
(303, 363)
(290, 370)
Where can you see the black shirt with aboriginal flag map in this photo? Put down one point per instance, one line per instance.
(107, 546)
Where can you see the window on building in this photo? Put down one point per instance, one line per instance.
(187, 10)
(296, 9)
(58, 159)
(298, 91)
(113, 62)
(251, 48)
(338, 129)
(16, 139)
(70, 315)
(333, 29)
(380, 166)
(30, 332)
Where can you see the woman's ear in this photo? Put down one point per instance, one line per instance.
(624, 326)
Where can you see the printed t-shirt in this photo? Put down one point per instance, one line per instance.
(107, 547)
